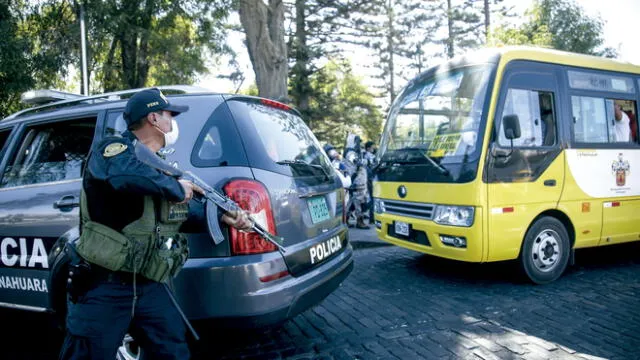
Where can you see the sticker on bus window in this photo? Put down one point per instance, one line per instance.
(446, 144)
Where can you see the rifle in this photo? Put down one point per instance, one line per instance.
(212, 198)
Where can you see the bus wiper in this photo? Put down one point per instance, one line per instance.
(442, 169)
(302, 163)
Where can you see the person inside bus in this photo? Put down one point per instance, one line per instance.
(633, 126)
(547, 124)
(621, 128)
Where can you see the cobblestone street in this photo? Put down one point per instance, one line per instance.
(399, 304)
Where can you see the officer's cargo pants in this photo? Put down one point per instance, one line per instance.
(99, 320)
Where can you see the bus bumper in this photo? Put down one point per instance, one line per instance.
(427, 237)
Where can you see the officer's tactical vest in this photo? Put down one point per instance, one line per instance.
(150, 246)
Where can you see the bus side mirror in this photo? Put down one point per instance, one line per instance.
(511, 125)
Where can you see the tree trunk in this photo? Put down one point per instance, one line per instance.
(264, 28)
(302, 86)
(142, 63)
(129, 43)
(450, 51)
(390, 50)
(109, 68)
(487, 20)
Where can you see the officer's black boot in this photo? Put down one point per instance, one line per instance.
(360, 224)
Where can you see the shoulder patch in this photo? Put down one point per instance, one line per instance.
(114, 149)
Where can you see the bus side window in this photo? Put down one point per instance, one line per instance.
(599, 120)
(535, 110)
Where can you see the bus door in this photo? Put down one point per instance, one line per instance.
(607, 155)
(525, 175)
(621, 211)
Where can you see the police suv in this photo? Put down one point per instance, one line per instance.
(257, 151)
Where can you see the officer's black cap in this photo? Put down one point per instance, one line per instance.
(148, 101)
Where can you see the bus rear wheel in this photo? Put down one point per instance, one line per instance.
(545, 250)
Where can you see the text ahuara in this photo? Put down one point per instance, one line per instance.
(16, 253)
(325, 249)
(23, 283)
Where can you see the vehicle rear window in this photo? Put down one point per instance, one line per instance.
(218, 143)
(280, 141)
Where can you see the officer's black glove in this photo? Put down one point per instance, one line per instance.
(79, 280)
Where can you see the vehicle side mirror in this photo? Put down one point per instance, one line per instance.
(511, 125)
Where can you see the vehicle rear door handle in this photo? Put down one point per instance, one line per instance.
(550, 182)
(67, 202)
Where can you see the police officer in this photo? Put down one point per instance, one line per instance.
(130, 244)
(356, 166)
(370, 158)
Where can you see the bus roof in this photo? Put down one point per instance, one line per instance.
(508, 53)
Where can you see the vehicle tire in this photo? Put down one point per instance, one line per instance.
(545, 250)
(129, 350)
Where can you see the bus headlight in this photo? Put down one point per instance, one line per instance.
(378, 206)
(454, 215)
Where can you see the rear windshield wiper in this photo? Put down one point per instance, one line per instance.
(302, 163)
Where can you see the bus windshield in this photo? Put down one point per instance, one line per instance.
(435, 122)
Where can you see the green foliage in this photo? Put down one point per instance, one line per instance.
(36, 48)
(252, 90)
(14, 62)
(464, 25)
(342, 104)
(405, 30)
(129, 43)
(157, 42)
(509, 35)
(175, 52)
(321, 26)
(559, 24)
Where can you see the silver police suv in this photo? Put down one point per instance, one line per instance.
(257, 151)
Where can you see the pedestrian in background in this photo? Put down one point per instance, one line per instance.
(370, 157)
(357, 169)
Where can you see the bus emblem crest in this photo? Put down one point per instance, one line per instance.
(620, 169)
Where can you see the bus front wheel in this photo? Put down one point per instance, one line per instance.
(545, 251)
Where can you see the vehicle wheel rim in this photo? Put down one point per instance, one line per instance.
(129, 350)
(546, 251)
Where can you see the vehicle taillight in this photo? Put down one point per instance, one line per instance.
(252, 197)
(275, 104)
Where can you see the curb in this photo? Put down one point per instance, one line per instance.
(368, 244)
(365, 239)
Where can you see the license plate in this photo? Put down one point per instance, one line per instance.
(318, 209)
(401, 228)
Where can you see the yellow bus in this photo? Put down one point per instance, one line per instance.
(512, 153)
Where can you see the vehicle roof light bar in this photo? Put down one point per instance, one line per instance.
(41, 97)
(111, 96)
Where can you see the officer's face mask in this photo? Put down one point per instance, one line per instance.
(170, 137)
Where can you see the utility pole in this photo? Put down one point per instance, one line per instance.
(83, 45)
